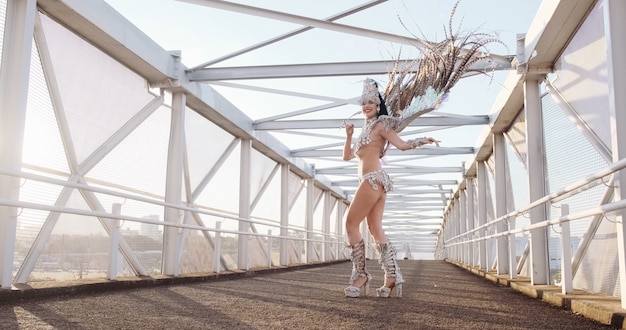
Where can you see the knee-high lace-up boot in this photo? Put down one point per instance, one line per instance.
(387, 259)
(358, 271)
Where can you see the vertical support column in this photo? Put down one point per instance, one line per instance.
(471, 218)
(244, 204)
(502, 248)
(114, 252)
(269, 248)
(481, 172)
(615, 32)
(326, 226)
(173, 185)
(284, 214)
(310, 197)
(457, 229)
(463, 226)
(453, 229)
(341, 210)
(14, 76)
(566, 254)
(539, 268)
(443, 236)
(218, 246)
(450, 232)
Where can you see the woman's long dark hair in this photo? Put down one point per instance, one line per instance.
(382, 107)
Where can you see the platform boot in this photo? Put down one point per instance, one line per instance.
(387, 259)
(358, 271)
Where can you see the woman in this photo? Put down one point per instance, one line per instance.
(369, 199)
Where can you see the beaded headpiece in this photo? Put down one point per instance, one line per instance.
(370, 92)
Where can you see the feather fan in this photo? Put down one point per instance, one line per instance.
(420, 86)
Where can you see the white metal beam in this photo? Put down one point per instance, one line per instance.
(172, 242)
(498, 60)
(540, 271)
(288, 34)
(14, 79)
(615, 29)
(314, 70)
(358, 123)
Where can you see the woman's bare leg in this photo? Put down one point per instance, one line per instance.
(375, 220)
(365, 199)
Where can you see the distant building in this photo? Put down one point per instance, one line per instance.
(554, 248)
(150, 230)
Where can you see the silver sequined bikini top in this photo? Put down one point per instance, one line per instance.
(366, 132)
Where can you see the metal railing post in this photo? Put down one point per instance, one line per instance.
(566, 253)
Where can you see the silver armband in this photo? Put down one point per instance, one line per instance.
(415, 143)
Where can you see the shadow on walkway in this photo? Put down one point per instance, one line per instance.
(437, 295)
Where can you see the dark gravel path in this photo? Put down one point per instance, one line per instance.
(437, 295)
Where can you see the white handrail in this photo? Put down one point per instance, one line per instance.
(577, 187)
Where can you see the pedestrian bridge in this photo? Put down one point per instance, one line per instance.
(179, 164)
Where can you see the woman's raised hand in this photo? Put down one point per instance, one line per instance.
(349, 128)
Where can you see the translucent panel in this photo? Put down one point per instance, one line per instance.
(3, 14)
(78, 247)
(222, 192)
(297, 206)
(582, 74)
(43, 146)
(228, 246)
(267, 207)
(29, 223)
(570, 157)
(333, 223)
(198, 253)
(598, 270)
(257, 252)
(517, 138)
(517, 186)
(146, 242)
(98, 94)
(318, 211)
(206, 143)
(139, 162)
(261, 170)
(296, 251)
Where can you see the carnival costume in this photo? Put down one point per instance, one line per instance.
(415, 88)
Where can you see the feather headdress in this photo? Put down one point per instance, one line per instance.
(420, 86)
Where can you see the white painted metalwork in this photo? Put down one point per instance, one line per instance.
(566, 253)
(536, 183)
(615, 30)
(502, 251)
(115, 242)
(481, 175)
(172, 241)
(243, 260)
(19, 26)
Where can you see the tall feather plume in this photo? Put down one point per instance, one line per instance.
(418, 86)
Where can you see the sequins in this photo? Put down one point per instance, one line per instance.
(366, 132)
(376, 177)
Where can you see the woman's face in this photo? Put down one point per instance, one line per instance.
(369, 109)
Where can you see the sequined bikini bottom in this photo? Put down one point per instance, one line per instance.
(376, 177)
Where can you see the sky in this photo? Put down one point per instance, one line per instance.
(203, 34)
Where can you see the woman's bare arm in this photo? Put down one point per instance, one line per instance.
(403, 145)
(347, 146)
